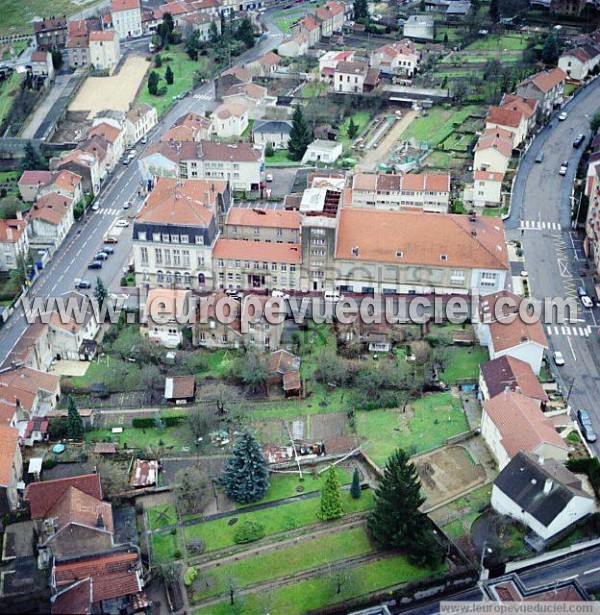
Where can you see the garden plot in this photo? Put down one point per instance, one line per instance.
(446, 473)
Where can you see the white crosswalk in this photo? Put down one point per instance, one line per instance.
(568, 330)
(540, 225)
(202, 97)
(109, 211)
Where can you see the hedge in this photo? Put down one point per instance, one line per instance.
(149, 423)
(589, 466)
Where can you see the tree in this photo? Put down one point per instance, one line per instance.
(151, 378)
(550, 50)
(422, 6)
(193, 44)
(114, 480)
(595, 122)
(331, 498)
(33, 160)
(57, 59)
(57, 429)
(21, 270)
(355, 490)
(269, 151)
(166, 27)
(157, 61)
(300, 135)
(198, 422)
(251, 369)
(9, 207)
(246, 477)
(352, 129)
(101, 293)
(169, 76)
(213, 33)
(494, 12)
(192, 490)
(340, 576)
(245, 33)
(74, 422)
(446, 40)
(153, 79)
(396, 522)
(361, 11)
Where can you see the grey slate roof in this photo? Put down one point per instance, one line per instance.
(272, 126)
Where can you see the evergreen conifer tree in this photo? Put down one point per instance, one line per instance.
(74, 422)
(331, 497)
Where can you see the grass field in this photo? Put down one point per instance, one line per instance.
(438, 124)
(219, 535)
(8, 91)
(509, 42)
(436, 417)
(361, 119)
(313, 594)
(468, 507)
(463, 363)
(286, 561)
(165, 547)
(159, 516)
(279, 159)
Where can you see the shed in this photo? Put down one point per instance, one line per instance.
(180, 389)
(144, 473)
(105, 448)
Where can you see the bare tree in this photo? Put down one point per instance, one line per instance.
(192, 490)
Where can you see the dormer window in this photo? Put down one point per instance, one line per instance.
(443, 257)
(399, 254)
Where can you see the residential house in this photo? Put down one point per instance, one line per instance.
(265, 65)
(50, 219)
(229, 120)
(493, 150)
(238, 263)
(162, 159)
(331, 17)
(284, 371)
(425, 191)
(457, 11)
(202, 23)
(113, 135)
(527, 106)
(78, 41)
(102, 150)
(275, 133)
(64, 183)
(105, 51)
(33, 349)
(35, 392)
(309, 28)
(508, 373)
(293, 47)
(329, 61)
(180, 389)
(504, 332)
(419, 28)
(219, 322)
(30, 182)
(140, 120)
(13, 243)
(78, 523)
(11, 468)
(547, 88)
(189, 127)
(392, 252)
(43, 496)
(236, 75)
(251, 96)
(50, 33)
(126, 18)
(401, 58)
(541, 494)
(41, 64)
(95, 584)
(487, 189)
(512, 422)
(567, 7)
(354, 77)
(322, 151)
(268, 225)
(165, 314)
(175, 231)
(71, 339)
(81, 163)
(578, 63)
(36, 430)
(512, 120)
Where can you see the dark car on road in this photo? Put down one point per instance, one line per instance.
(539, 157)
(583, 418)
(579, 139)
(95, 265)
(82, 285)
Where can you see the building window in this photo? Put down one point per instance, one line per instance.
(174, 238)
(143, 254)
(165, 237)
(237, 264)
(200, 261)
(184, 239)
(141, 236)
(158, 256)
(156, 237)
(200, 240)
(187, 278)
(186, 258)
(221, 262)
(160, 277)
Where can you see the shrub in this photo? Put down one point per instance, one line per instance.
(177, 554)
(190, 576)
(248, 531)
(48, 464)
(143, 423)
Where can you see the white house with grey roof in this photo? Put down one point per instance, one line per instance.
(541, 494)
(323, 151)
(275, 133)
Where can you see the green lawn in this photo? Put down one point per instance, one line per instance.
(468, 507)
(436, 417)
(361, 119)
(464, 363)
(569, 89)
(109, 371)
(184, 70)
(219, 535)
(159, 516)
(280, 159)
(165, 547)
(314, 594)
(286, 561)
(437, 124)
(311, 89)
(286, 18)
(511, 42)
(8, 91)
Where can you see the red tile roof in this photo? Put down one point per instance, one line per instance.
(488, 176)
(9, 442)
(34, 178)
(226, 152)
(11, 230)
(268, 218)
(510, 373)
(42, 496)
(108, 131)
(124, 5)
(521, 423)
(257, 251)
(106, 35)
(39, 56)
(78, 508)
(51, 207)
(504, 117)
(75, 600)
(547, 80)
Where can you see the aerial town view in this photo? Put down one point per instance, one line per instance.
(299, 307)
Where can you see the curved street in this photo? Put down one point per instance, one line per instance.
(541, 220)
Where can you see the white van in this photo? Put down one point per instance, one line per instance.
(333, 295)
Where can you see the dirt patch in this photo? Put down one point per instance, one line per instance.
(118, 91)
(328, 425)
(446, 473)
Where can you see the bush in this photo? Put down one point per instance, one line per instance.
(149, 423)
(48, 464)
(589, 466)
(177, 554)
(162, 91)
(248, 531)
(190, 576)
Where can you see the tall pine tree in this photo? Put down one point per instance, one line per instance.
(300, 135)
(169, 76)
(74, 422)
(396, 522)
(246, 477)
(331, 498)
(355, 490)
(33, 160)
(550, 50)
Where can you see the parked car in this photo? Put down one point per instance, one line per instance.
(82, 284)
(558, 358)
(122, 223)
(586, 302)
(126, 205)
(125, 161)
(101, 256)
(581, 291)
(110, 239)
(95, 265)
(144, 139)
(563, 116)
(539, 157)
(563, 168)
(233, 293)
(132, 154)
(108, 250)
(95, 207)
(279, 294)
(583, 418)
(333, 295)
(269, 177)
(579, 139)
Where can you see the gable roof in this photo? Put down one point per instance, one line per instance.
(34, 178)
(102, 35)
(504, 116)
(257, 251)
(488, 176)
(9, 442)
(514, 374)
(74, 600)
(227, 110)
(521, 424)
(546, 80)
(509, 334)
(31, 380)
(104, 129)
(51, 207)
(498, 139)
(543, 490)
(180, 387)
(283, 362)
(11, 230)
(250, 90)
(272, 126)
(43, 495)
(124, 5)
(229, 152)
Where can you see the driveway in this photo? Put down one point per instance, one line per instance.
(283, 180)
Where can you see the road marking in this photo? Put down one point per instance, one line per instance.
(571, 347)
(592, 571)
(537, 225)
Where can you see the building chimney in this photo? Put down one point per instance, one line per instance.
(548, 486)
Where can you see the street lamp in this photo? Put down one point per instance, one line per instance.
(482, 570)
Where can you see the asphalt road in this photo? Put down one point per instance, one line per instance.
(86, 236)
(541, 220)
